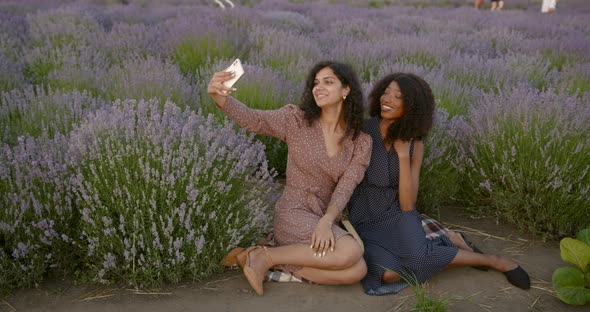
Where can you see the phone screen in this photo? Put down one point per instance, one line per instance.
(237, 68)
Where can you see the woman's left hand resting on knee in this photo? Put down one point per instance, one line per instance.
(322, 239)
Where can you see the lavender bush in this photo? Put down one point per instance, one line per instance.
(491, 73)
(148, 77)
(37, 215)
(439, 178)
(35, 111)
(526, 159)
(163, 194)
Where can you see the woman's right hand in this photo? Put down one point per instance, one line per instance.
(217, 90)
(402, 147)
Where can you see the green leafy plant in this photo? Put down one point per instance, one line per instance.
(572, 284)
(424, 302)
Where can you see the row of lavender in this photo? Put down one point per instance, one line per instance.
(148, 191)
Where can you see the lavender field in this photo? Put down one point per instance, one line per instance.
(116, 166)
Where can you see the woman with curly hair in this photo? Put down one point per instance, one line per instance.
(327, 158)
(382, 208)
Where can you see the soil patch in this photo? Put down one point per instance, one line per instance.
(471, 289)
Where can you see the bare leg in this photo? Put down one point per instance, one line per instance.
(390, 276)
(458, 241)
(346, 276)
(494, 6)
(468, 258)
(500, 5)
(346, 255)
(477, 3)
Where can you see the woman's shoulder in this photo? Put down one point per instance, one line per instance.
(363, 139)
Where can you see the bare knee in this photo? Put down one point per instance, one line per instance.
(355, 273)
(349, 253)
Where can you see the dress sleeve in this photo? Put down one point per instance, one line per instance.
(354, 174)
(269, 122)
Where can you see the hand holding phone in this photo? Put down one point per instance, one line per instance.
(237, 69)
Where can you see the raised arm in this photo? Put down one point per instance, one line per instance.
(216, 90)
(269, 122)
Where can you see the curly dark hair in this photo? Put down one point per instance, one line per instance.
(418, 106)
(352, 110)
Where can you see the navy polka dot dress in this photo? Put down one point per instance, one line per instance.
(393, 239)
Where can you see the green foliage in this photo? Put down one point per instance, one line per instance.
(557, 59)
(164, 194)
(421, 58)
(148, 78)
(529, 167)
(572, 284)
(37, 111)
(584, 236)
(37, 221)
(439, 179)
(377, 4)
(195, 52)
(575, 252)
(424, 301)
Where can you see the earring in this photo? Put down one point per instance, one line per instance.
(344, 97)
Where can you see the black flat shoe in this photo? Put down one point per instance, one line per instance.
(475, 249)
(519, 278)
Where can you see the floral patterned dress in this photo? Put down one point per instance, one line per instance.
(314, 180)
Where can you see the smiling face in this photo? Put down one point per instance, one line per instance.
(328, 89)
(392, 103)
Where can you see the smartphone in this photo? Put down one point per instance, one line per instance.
(237, 68)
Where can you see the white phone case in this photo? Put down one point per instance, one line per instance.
(237, 68)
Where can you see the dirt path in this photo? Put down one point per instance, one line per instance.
(475, 290)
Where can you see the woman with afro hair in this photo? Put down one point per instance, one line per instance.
(382, 207)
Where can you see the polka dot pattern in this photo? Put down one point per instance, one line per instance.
(314, 180)
(393, 239)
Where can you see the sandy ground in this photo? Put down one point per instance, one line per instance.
(471, 289)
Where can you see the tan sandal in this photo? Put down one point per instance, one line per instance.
(231, 259)
(254, 278)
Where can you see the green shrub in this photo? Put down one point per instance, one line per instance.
(195, 52)
(37, 215)
(35, 111)
(146, 78)
(439, 179)
(164, 194)
(526, 160)
(572, 284)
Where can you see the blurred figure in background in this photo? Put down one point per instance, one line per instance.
(497, 5)
(477, 3)
(548, 6)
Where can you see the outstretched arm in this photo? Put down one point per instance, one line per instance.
(269, 122)
(216, 90)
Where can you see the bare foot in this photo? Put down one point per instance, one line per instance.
(504, 264)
